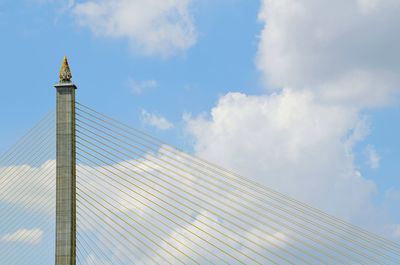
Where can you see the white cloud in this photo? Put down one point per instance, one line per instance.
(25, 236)
(373, 158)
(152, 27)
(290, 142)
(156, 121)
(138, 87)
(345, 51)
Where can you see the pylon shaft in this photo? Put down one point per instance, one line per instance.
(66, 176)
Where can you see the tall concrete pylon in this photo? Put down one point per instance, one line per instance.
(66, 169)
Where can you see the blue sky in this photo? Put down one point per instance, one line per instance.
(232, 49)
(191, 81)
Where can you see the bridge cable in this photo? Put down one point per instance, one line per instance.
(86, 182)
(103, 150)
(159, 165)
(373, 251)
(257, 187)
(169, 205)
(254, 185)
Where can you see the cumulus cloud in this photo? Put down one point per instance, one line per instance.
(327, 60)
(345, 51)
(152, 27)
(156, 121)
(291, 142)
(25, 236)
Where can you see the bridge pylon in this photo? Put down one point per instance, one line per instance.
(66, 169)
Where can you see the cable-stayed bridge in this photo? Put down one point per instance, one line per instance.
(83, 188)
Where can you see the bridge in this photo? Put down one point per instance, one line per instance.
(83, 188)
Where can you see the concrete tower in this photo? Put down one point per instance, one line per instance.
(66, 170)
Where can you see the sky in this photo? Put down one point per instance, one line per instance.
(301, 96)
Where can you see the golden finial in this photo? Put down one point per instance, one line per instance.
(65, 72)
